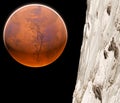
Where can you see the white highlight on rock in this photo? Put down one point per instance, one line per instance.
(98, 79)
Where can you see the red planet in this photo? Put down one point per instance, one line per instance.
(35, 35)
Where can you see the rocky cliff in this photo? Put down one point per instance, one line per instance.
(98, 79)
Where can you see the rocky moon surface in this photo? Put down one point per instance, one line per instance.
(98, 79)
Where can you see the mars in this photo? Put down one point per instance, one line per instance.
(35, 35)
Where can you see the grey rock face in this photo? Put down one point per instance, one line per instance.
(98, 79)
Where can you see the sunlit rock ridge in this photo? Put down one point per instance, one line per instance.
(98, 78)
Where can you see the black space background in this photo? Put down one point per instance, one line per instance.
(54, 83)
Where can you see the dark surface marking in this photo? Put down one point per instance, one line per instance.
(105, 54)
(12, 28)
(97, 14)
(118, 28)
(97, 92)
(36, 10)
(114, 48)
(116, 53)
(88, 25)
(108, 10)
(38, 41)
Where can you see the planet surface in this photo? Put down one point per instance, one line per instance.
(35, 35)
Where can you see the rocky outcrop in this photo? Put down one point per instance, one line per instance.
(98, 79)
